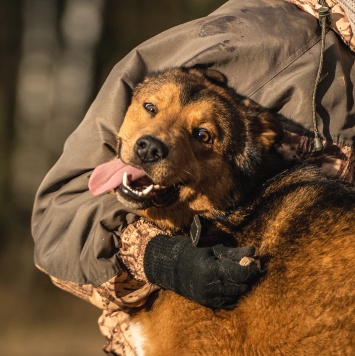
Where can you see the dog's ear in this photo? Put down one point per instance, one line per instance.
(267, 130)
(271, 129)
(213, 75)
(265, 127)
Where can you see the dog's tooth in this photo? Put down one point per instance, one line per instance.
(125, 179)
(143, 193)
(147, 190)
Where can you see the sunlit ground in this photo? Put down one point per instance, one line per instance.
(38, 319)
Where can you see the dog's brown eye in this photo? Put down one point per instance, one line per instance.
(202, 135)
(151, 108)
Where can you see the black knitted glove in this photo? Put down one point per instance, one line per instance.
(211, 276)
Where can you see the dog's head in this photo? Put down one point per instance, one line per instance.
(190, 145)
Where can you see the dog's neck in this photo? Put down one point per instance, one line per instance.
(174, 220)
(217, 224)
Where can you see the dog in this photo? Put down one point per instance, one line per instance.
(189, 145)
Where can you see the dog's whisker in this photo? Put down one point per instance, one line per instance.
(192, 175)
(182, 182)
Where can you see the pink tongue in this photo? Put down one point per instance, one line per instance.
(109, 176)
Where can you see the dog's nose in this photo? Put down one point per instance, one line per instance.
(150, 149)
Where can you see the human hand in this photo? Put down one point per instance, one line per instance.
(211, 276)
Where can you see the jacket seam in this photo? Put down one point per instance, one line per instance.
(289, 61)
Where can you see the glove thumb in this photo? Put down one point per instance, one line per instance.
(233, 254)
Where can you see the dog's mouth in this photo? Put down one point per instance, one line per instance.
(131, 184)
(146, 191)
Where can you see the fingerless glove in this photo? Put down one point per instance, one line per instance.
(211, 276)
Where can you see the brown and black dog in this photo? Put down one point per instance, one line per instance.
(190, 145)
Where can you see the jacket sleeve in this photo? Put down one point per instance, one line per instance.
(117, 294)
(126, 289)
(76, 235)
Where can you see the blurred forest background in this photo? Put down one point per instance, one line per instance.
(54, 57)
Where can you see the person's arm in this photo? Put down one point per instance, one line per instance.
(77, 236)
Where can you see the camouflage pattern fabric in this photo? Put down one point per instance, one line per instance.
(342, 16)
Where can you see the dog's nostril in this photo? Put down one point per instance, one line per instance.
(155, 153)
(150, 149)
(142, 144)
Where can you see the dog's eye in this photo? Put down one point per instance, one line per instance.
(202, 135)
(151, 108)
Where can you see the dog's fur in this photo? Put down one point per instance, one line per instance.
(219, 155)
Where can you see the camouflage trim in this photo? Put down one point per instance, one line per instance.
(337, 161)
(120, 292)
(349, 8)
(134, 240)
(340, 21)
(114, 327)
(83, 291)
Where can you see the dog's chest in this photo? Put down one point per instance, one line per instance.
(138, 338)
